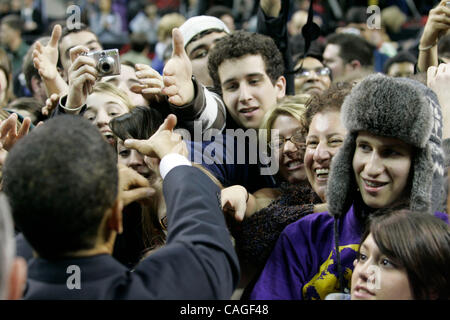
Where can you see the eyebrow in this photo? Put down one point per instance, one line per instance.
(200, 46)
(250, 75)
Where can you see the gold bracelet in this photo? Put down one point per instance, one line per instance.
(427, 47)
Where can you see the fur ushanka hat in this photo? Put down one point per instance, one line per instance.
(399, 108)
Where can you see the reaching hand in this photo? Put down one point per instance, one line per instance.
(45, 59)
(133, 187)
(163, 142)
(50, 104)
(151, 82)
(8, 131)
(82, 75)
(234, 201)
(177, 73)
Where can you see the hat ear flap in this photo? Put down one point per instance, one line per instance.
(420, 198)
(341, 181)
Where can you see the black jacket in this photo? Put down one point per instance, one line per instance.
(198, 261)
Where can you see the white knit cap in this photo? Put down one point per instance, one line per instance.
(198, 24)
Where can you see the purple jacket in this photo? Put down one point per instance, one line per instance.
(303, 262)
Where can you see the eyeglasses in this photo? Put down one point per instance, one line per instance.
(320, 71)
(297, 138)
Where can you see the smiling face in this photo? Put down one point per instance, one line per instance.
(247, 90)
(381, 166)
(378, 277)
(101, 108)
(291, 164)
(325, 136)
(198, 52)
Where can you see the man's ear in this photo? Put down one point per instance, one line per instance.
(115, 219)
(353, 65)
(281, 87)
(17, 279)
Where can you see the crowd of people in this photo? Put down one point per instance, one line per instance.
(253, 150)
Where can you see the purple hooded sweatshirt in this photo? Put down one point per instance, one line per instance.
(303, 263)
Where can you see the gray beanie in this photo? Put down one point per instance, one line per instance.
(399, 108)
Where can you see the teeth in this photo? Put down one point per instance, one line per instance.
(322, 171)
(293, 164)
(374, 184)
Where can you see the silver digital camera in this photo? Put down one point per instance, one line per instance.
(107, 62)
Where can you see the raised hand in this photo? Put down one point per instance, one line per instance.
(163, 142)
(437, 24)
(45, 58)
(82, 76)
(8, 131)
(151, 82)
(50, 104)
(177, 73)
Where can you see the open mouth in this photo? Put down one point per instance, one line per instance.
(322, 173)
(294, 165)
(110, 138)
(373, 185)
(248, 112)
(363, 293)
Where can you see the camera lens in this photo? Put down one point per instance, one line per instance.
(105, 65)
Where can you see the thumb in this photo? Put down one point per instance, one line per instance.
(169, 123)
(56, 35)
(240, 208)
(177, 43)
(143, 146)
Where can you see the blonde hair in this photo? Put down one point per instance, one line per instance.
(167, 23)
(105, 87)
(292, 106)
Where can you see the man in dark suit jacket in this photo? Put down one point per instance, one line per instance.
(62, 183)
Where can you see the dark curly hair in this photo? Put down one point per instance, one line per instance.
(329, 100)
(242, 43)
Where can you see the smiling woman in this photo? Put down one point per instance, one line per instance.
(404, 255)
(391, 156)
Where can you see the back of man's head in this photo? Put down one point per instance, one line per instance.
(60, 180)
(240, 44)
(353, 47)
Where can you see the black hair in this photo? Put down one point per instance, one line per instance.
(60, 180)
(403, 56)
(353, 47)
(240, 44)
